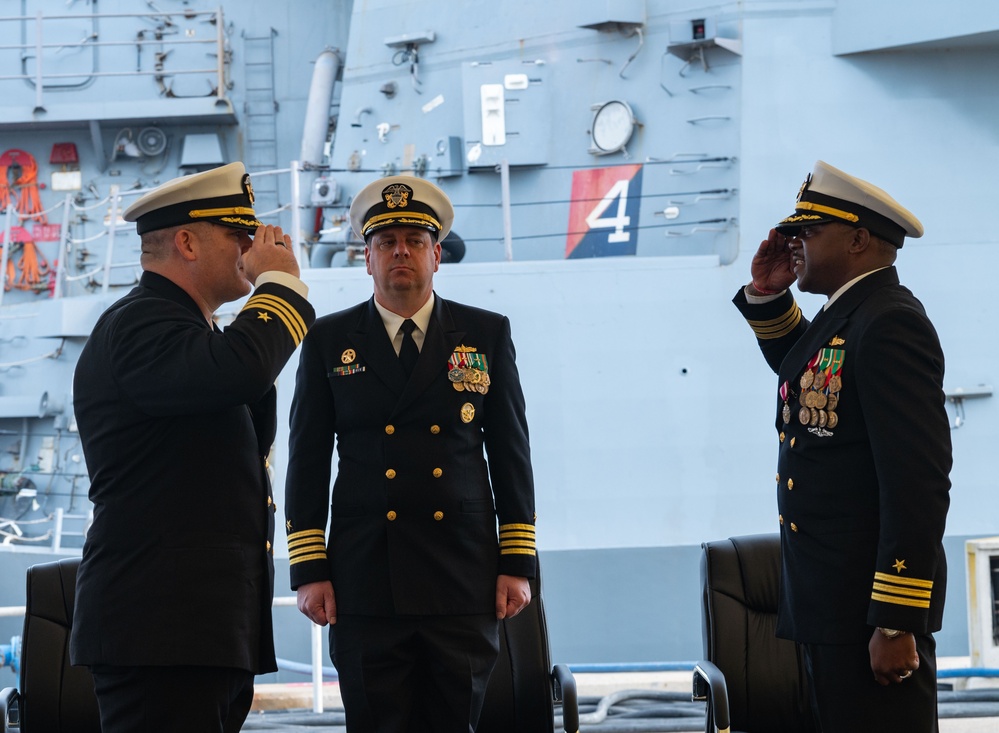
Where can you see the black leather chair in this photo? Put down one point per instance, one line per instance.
(752, 681)
(524, 687)
(53, 696)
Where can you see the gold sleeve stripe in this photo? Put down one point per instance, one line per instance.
(306, 558)
(297, 548)
(280, 307)
(306, 542)
(307, 533)
(517, 535)
(900, 601)
(516, 551)
(524, 527)
(777, 327)
(305, 545)
(884, 587)
(896, 580)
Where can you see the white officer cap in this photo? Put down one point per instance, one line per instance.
(219, 196)
(829, 194)
(401, 200)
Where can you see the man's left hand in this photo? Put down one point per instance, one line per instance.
(513, 593)
(893, 660)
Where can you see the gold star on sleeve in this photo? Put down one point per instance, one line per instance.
(263, 316)
(899, 565)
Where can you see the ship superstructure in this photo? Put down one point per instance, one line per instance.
(613, 165)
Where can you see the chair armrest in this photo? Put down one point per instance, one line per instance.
(10, 708)
(709, 686)
(565, 692)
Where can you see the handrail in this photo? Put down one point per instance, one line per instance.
(34, 49)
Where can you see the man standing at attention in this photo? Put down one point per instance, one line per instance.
(173, 602)
(864, 458)
(411, 388)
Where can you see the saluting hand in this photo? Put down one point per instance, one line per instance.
(318, 602)
(271, 250)
(513, 593)
(771, 266)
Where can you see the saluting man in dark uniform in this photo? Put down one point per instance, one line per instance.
(864, 458)
(176, 417)
(411, 388)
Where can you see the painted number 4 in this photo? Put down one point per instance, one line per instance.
(596, 219)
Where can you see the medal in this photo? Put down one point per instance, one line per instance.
(820, 400)
(456, 375)
(832, 402)
(807, 378)
(786, 413)
(835, 383)
(814, 417)
(832, 420)
(820, 380)
(804, 415)
(823, 418)
(348, 356)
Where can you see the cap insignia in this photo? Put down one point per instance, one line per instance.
(397, 195)
(247, 187)
(804, 186)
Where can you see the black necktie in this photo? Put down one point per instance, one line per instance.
(408, 354)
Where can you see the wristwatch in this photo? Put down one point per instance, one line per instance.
(890, 633)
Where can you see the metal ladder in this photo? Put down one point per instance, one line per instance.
(260, 112)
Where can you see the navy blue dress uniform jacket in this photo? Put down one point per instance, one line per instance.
(414, 507)
(862, 482)
(176, 420)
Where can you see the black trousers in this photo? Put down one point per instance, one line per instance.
(847, 699)
(413, 674)
(172, 699)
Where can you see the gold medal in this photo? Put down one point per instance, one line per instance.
(832, 402)
(810, 399)
(459, 386)
(835, 383)
(807, 378)
(467, 412)
(786, 413)
(832, 420)
(473, 375)
(823, 417)
(820, 400)
(804, 415)
(820, 380)
(348, 356)
(814, 417)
